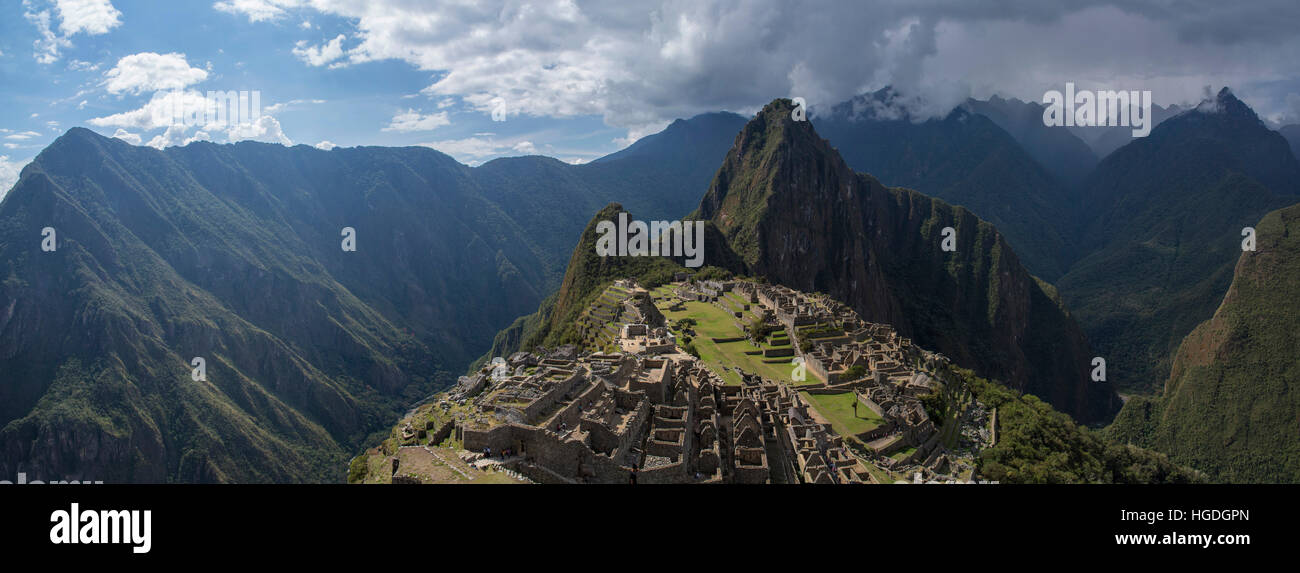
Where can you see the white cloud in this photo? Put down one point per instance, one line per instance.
(325, 145)
(124, 135)
(266, 128)
(88, 17)
(470, 150)
(256, 10)
(282, 106)
(23, 136)
(157, 112)
(149, 71)
(82, 66)
(175, 135)
(92, 17)
(411, 120)
(45, 49)
(9, 171)
(637, 65)
(321, 55)
(473, 150)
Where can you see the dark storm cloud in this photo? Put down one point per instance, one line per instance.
(642, 64)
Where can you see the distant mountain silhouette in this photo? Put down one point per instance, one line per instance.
(1292, 135)
(1059, 151)
(965, 159)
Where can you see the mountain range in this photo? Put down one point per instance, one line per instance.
(1162, 222)
(232, 253)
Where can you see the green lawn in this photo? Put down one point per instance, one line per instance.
(713, 322)
(838, 408)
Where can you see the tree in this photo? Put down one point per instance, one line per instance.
(690, 349)
(759, 328)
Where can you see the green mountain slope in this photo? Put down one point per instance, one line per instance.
(1230, 404)
(585, 278)
(232, 253)
(1165, 219)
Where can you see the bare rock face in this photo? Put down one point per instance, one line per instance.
(785, 206)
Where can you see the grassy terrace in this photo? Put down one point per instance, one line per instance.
(714, 322)
(443, 468)
(778, 339)
(838, 409)
(903, 453)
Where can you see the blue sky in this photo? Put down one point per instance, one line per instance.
(345, 105)
(581, 79)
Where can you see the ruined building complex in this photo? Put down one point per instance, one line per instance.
(630, 406)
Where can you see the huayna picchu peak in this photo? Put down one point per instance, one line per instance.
(791, 210)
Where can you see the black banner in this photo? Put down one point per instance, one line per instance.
(159, 523)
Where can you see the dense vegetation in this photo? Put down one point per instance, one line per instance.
(1229, 407)
(1036, 444)
(1162, 225)
(232, 252)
